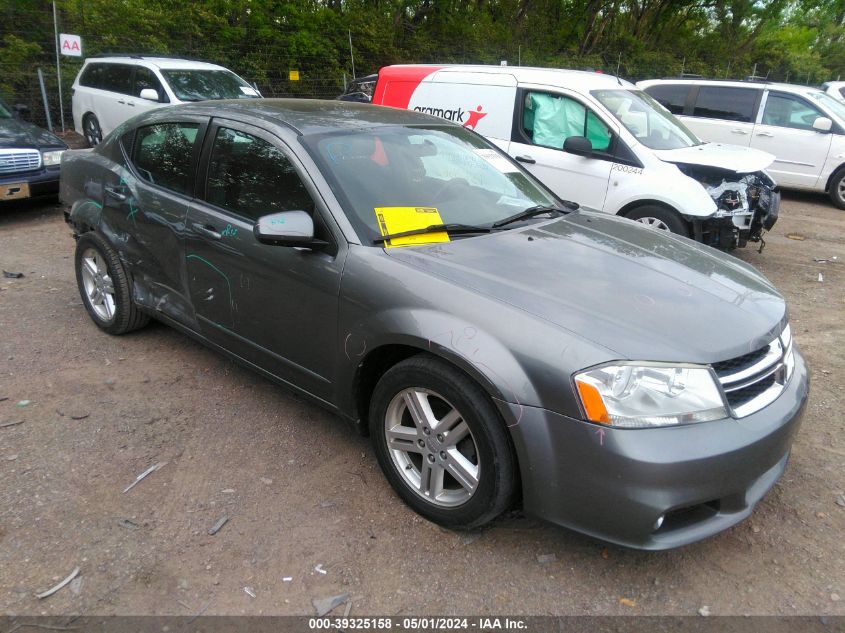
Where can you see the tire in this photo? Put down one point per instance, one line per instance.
(92, 130)
(837, 189)
(480, 447)
(104, 286)
(659, 218)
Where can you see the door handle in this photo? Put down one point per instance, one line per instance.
(769, 134)
(129, 103)
(737, 130)
(526, 159)
(207, 231)
(114, 193)
(121, 101)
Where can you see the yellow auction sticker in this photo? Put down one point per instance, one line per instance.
(401, 219)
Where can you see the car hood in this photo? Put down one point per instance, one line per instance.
(743, 160)
(640, 293)
(17, 133)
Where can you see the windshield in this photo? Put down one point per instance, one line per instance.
(834, 106)
(5, 113)
(454, 175)
(200, 85)
(651, 124)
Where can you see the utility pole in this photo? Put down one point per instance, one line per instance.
(58, 65)
(351, 54)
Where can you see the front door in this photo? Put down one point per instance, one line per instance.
(786, 130)
(274, 306)
(546, 120)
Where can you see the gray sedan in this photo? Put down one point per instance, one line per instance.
(499, 345)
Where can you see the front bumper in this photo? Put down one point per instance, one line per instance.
(614, 484)
(42, 182)
(731, 231)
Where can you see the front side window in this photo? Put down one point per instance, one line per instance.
(251, 177)
(445, 168)
(784, 110)
(725, 102)
(643, 117)
(549, 120)
(145, 78)
(201, 85)
(673, 97)
(163, 155)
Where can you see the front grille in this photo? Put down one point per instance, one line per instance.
(13, 161)
(754, 380)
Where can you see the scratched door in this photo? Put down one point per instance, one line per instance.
(274, 306)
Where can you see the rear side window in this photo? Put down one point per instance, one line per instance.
(673, 97)
(163, 155)
(724, 102)
(549, 120)
(116, 78)
(253, 178)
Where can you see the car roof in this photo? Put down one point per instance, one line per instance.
(574, 79)
(770, 85)
(309, 116)
(163, 63)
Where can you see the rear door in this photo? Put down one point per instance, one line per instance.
(543, 121)
(786, 130)
(274, 306)
(724, 114)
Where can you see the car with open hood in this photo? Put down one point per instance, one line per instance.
(29, 157)
(598, 140)
(499, 345)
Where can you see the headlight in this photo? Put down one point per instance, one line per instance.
(648, 395)
(52, 158)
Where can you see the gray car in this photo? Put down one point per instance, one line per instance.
(500, 346)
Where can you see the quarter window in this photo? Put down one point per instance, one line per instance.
(163, 155)
(787, 111)
(253, 178)
(723, 102)
(549, 120)
(673, 97)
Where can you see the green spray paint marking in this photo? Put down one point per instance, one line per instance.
(96, 204)
(219, 272)
(229, 231)
(132, 210)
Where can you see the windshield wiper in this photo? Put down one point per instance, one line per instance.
(456, 229)
(531, 212)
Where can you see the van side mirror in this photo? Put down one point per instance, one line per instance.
(578, 145)
(287, 228)
(149, 94)
(822, 124)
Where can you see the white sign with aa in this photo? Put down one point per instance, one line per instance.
(70, 45)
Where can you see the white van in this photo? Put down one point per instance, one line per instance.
(598, 141)
(109, 90)
(803, 127)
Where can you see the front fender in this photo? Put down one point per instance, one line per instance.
(673, 189)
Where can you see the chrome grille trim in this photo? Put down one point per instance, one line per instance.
(13, 161)
(774, 367)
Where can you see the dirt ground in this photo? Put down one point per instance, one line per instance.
(302, 491)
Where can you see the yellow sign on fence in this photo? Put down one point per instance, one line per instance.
(294, 75)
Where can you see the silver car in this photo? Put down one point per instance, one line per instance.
(499, 345)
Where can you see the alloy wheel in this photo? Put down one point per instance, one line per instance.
(655, 223)
(98, 284)
(432, 447)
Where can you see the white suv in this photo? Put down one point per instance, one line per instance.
(803, 127)
(109, 90)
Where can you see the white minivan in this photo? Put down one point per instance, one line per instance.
(598, 141)
(803, 127)
(109, 90)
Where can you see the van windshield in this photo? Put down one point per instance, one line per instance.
(202, 85)
(651, 124)
(447, 171)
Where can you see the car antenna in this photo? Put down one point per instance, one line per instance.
(618, 64)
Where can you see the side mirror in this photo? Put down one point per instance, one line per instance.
(149, 94)
(287, 228)
(578, 145)
(822, 124)
(20, 109)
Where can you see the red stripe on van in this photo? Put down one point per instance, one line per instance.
(396, 84)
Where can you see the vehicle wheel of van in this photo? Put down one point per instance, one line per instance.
(442, 444)
(659, 218)
(837, 189)
(92, 131)
(104, 286)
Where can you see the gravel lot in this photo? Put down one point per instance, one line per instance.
(302, 490)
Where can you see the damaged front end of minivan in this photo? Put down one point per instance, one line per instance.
(746, 206)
